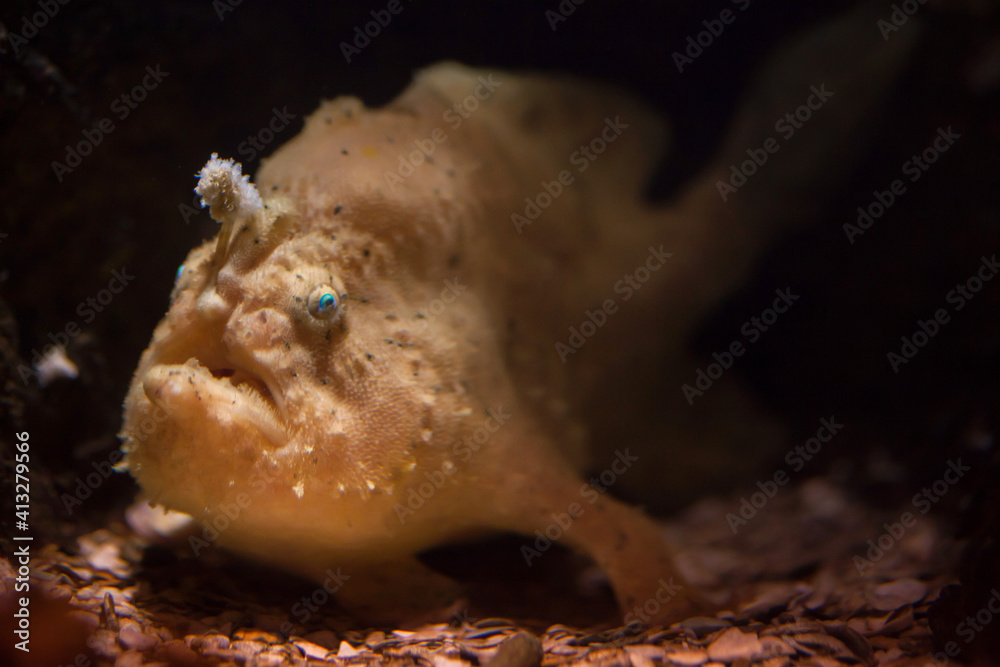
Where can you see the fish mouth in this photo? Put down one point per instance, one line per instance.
(251, 384)
(246, 392)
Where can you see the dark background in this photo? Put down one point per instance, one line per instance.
(122, 206)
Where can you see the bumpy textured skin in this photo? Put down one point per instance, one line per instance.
(328, 427)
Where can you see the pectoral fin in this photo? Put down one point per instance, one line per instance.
(542, 497)
(402, 590)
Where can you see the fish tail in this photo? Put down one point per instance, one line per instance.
(798, 132)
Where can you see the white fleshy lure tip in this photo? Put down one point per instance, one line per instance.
(223, 187)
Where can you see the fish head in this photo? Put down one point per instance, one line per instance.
(293, 363)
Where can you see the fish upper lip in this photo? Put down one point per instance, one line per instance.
(257, 377)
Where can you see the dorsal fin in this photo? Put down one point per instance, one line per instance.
(235, 203)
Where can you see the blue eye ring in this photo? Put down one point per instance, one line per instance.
(327, 303)
(324, 302)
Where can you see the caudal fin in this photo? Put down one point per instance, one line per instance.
(802, 125)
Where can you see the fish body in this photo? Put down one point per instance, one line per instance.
(431, 320)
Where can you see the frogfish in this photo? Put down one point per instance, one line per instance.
(460, 314)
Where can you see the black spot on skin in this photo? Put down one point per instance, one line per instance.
(390, 341)
(343, 151)
(288, 345)
(294, 374)
(328, 335)
(366, 252)
(324, 381)
(348, 113)
(273, 188)
(299, 276)
(299, 299)
(419, 316)
(369, 356)
(454, 260)
(391, 317)
(244, 228)
(336, 209)
(256, 241)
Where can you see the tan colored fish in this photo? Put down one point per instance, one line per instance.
(435, 318)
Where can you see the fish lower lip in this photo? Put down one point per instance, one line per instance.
(244, 395)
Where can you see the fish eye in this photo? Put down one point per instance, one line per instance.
(324, 302)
